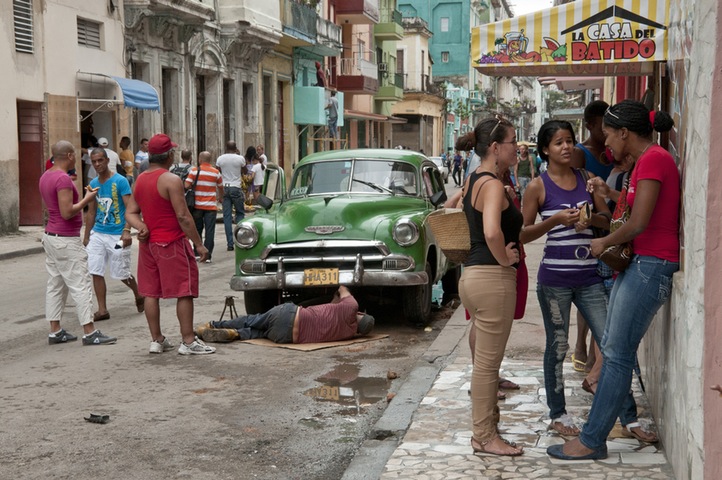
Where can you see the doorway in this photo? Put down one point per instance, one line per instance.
(30, 161)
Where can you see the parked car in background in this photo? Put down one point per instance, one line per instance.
(443, 168)
(349, 217)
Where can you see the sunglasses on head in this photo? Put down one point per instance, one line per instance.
(610, 112)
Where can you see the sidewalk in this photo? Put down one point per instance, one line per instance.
(436, 443)
(25, 242)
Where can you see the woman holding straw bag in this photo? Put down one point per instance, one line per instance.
(488, 283)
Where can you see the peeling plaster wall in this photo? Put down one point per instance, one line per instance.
(673, 352)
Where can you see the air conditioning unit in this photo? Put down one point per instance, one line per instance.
(383, 67)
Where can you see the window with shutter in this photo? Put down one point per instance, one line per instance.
(88, 33)
(23, 24)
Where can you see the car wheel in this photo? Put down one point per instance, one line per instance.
(417, 301)
(450, 284)
(260, 301)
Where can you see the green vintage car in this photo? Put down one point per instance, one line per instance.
(349, 217)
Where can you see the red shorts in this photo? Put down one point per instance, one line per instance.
(167, 270)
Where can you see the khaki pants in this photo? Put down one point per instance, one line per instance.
(488, 292)
(67, 264)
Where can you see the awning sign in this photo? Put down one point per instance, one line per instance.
(585, 37)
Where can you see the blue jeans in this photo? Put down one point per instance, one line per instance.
(232, 199)
(556, 305)
(332, 126)
(275, 324)
(206, 219)
(637, 295)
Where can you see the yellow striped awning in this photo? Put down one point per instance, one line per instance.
(585, 37)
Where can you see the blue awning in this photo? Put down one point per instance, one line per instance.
(111, 90)
(138, 94)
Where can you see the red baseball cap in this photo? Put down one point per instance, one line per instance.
(160, 143)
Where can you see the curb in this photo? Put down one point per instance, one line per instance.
(371, 458)
(21, 253)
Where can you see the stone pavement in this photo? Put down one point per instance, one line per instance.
(437, 443)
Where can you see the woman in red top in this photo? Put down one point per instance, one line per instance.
(639, 291)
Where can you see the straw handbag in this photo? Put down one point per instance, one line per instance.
(451, 231)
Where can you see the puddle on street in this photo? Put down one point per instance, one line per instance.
(343, 386)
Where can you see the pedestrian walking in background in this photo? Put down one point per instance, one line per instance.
(183, 168)
(127, 159)
(568, 272)
(456, 172)
(524, 169)
(114, 165)
(231, 164)
(257, 177)
(260, 151)
(639, 292)
(66, 260)
(107, 238)
(166, 264)
(209, 187)
(488, 282)
(141, 157)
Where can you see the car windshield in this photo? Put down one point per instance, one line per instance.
(361, 176)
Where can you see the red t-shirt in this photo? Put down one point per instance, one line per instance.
(158, 213)
(50, 183)
(661, 237)
(329, 322)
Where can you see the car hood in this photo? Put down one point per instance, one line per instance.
(349, 217)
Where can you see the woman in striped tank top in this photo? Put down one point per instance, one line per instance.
(568, 271)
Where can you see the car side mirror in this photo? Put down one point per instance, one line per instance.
(438, 198)
(265, 202)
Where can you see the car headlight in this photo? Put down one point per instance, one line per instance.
(405, 232)
(246, 235)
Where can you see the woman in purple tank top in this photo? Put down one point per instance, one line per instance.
(568, 271)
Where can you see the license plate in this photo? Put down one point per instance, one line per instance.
(320, 276)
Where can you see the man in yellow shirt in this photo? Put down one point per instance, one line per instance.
(127, 159)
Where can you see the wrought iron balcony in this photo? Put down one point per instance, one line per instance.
(299, 21)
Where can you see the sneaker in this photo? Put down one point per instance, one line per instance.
(160, 347)
(219, 335)
(230, 249)
(195, 348)
(209, 261)
(98, 338)
(61, 337)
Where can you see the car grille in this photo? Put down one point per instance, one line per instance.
(295, 257)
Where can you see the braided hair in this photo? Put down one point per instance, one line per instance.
(636, 117)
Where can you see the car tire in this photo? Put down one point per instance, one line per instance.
(260, 301)
(416, 301)
(450, 284)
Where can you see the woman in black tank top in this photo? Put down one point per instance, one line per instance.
(488, 282)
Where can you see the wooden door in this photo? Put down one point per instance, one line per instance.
(30, 161)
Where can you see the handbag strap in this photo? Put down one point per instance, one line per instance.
(195, 180)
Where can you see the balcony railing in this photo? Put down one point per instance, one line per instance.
(328, 32)
(399, 80)
(299, 20)
(389, 15)
(360, 66)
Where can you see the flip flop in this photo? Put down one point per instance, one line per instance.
(97, 316)
(506, 384)
(587, 387)
(500, 395)
(578, 365)
(642, 435)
